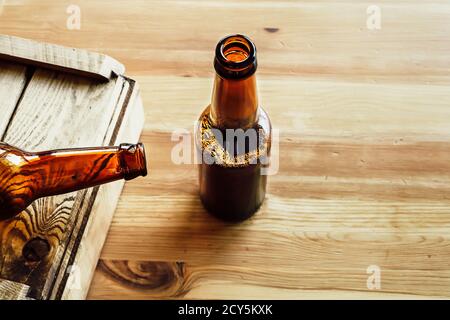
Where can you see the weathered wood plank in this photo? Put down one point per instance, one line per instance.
(59, 109)
(12, 83)
(10, 290)
(60, 58)
(132, 121)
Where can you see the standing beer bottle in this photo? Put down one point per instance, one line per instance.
(26, 176)
(233, 136)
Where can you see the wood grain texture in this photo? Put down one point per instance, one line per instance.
(12, 290)
(105, 203)
(41, 247)
(363, 176)
(12, 83)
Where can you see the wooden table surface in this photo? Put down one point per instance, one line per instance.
(364, 176)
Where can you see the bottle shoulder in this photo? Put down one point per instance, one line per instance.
(262, 120)
(234, 147)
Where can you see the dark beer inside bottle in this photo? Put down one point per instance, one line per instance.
(232, 187)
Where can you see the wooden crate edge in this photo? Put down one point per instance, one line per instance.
(56, 57)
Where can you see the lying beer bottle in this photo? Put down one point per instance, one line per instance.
(233, 135)
(26, 176)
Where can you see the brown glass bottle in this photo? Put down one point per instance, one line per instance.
(231, 174)
(26, 176)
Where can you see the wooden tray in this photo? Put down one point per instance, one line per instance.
(57, 97)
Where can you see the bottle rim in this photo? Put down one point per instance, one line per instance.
(242, 62)
(133, 160)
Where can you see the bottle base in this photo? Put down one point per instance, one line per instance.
(230, 215)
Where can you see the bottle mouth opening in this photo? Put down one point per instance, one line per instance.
(235, 57)
(142, 159)
(235, 49)
(133, 160)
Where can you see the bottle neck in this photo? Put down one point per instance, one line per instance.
(234, 102)
(63, 171)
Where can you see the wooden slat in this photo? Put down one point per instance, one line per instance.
(58, 110)
(12, 84)
(105, 203)
(59, 58)
(10, 290)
